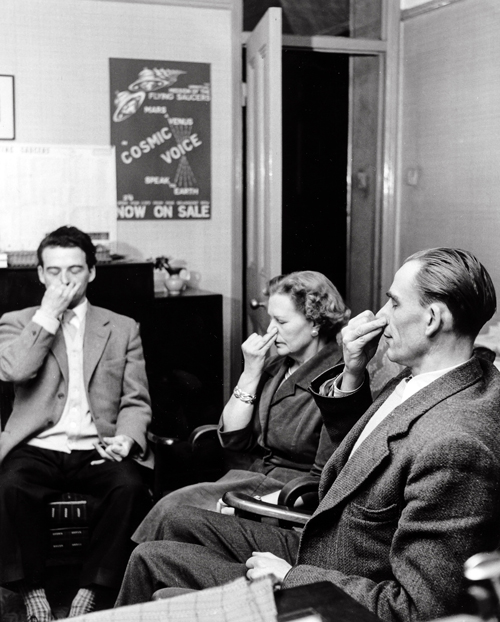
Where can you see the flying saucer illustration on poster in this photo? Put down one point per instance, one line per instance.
(127, 104)
(160, 128)
(154, 79)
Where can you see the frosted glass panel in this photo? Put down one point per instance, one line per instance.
(340, 18)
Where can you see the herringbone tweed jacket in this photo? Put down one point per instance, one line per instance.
(397, 520)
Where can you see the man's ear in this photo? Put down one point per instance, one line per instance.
(41, 276)
(92, 274)
(439, 319)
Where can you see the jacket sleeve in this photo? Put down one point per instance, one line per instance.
(358, 401)
(339, 414)
(134, 414)
(23, 347)
(245, 439)
(449, 511)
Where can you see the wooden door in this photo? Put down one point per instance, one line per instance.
(366, 178)
(263, 154)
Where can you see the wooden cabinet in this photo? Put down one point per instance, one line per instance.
(183, 342)
(182, 338)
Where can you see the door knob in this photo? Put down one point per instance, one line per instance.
(255, 304)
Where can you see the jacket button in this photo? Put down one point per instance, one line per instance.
(60, 395)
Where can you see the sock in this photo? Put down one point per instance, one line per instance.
(36, 603)
(83, 602)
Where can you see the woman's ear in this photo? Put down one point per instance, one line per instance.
(439, 319)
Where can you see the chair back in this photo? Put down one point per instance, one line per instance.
(6, 402)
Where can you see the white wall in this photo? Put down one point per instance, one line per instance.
(58, 51)
(449, 148)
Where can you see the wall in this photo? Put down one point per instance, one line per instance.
(58, 51)
(449, 147)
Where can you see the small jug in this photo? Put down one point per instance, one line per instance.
(176, 282)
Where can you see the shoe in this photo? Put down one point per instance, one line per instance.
(35, 618)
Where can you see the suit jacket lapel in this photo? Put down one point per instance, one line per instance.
(97, 331)
(327, 357)
(277, 370)
(342, 476)
(338, 460)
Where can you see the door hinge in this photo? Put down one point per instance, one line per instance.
(244, 94)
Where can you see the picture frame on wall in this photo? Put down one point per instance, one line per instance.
(7, 108)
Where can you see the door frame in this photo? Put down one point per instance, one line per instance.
(386, 217)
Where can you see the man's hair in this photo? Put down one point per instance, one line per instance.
(68, 237)
(316, 297)
(456, 278)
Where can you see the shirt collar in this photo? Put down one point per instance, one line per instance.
(415, 383)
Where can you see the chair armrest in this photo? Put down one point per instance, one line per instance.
(161, 440)
(298, 487)
(249, 505)
(203, 432)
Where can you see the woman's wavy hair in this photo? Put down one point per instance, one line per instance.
(316, 297)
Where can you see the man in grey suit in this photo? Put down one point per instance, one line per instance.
(78, 424)
(413, 489)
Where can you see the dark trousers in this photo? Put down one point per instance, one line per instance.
(31, 477)
(201, 549)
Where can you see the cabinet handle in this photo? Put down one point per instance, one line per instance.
(255, 304)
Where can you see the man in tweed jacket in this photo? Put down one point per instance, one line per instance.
(412, 491)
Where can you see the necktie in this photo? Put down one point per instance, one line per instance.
(68, 315)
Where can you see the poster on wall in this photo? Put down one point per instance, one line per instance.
(160, 127)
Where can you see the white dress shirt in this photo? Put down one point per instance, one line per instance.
(75, 430)
(405, 389)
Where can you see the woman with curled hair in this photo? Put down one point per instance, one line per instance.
(271, 414)
(316, 297)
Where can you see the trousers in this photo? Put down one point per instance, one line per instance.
(200, 549)
(31, 477)
(203, 495)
